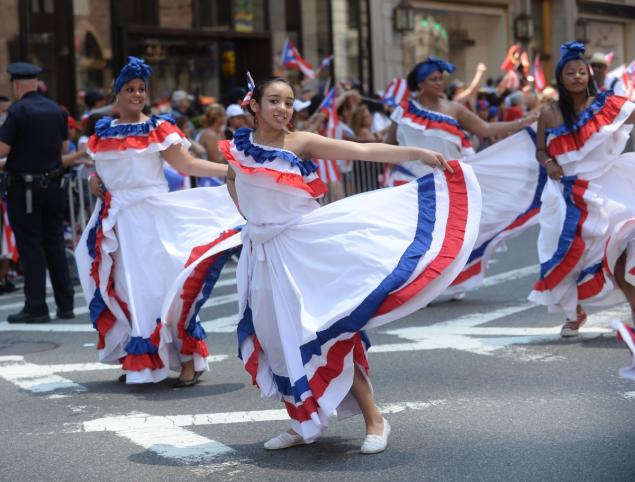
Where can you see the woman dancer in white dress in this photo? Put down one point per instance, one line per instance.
(311, 279)
(140, 237)
(510, 179)
(587, 236)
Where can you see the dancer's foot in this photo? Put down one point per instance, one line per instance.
(376, 442)
(284, 440)
(572, 327)
(187, 382)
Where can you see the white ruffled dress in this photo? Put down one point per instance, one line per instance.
(588, 217)
(511, 179)
(311, 279)
(137, 242)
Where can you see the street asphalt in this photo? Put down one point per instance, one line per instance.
(481, 389)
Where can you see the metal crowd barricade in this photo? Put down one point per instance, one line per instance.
(80, 201)
(365, 176)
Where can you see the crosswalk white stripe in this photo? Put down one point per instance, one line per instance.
(161, 436)
(43, 378)
(126, 422)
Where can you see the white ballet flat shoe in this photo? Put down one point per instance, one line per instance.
(373, 444)
(284, 441)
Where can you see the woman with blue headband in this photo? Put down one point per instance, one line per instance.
(508, 175)
(587, 239)
(140, 237)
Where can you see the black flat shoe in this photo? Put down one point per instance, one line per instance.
(122, 378)
(65, 315)
(26, 317)
(188, 383)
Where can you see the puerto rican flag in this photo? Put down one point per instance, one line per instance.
(539, 76)
(9, 248)
(250, 90)
(326, 63)
(327, 168)
(396, 92)
(292, 59)
(327, 104)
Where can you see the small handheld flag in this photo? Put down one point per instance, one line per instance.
(250, 90)
(396, 91)
(292, 59)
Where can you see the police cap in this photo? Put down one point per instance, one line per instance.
(23, 70)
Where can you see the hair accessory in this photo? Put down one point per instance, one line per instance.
(136, 68)
(250, 90)
(433, 64)
(570, 51)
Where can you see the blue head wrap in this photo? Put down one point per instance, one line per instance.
(570, 51)
(136, 68)
(432, 64)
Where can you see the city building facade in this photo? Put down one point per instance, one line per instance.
(205, 46)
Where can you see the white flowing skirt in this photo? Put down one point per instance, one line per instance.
(135, 245)
(309, 288)
(585, 226)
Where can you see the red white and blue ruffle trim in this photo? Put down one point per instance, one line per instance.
(143, 353)
(593, 279)
(154, 135)
(197, 288)
(282, 166)
(435, 123)
(600, 116)
(475, 266)
(344, 343)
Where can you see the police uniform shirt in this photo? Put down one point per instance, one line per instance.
(35, 128)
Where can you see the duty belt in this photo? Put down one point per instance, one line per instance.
(42, 178)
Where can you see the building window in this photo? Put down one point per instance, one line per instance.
(215, 14)
(137, 12)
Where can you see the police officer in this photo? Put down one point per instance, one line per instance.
(32, 139)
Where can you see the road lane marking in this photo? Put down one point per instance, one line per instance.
(167, 437)
(466, 334)
(161, 436)
(40, 379)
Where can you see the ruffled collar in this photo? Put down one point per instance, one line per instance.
(585, 116)
(243, 140)
(107, 127)
(416, 109)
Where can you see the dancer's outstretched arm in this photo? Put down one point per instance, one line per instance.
(475, 125)
(319, 147)
(184, 162)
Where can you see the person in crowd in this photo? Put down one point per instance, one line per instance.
(182, 104)
(588, 214)
(600, 65)
(5, 103)
(9, 251)
(515, 108)
(35, 198)
(310, 279)
(431, 121)
(140, 236)
(236, 118)
(214, 122)
(381, 116)
(457, 91)
(362, 122)
(94, 101)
